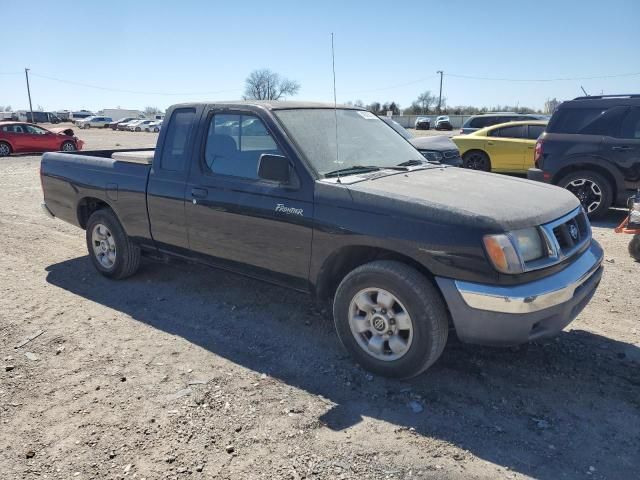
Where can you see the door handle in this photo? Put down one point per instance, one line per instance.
(622, 148)
(489, 143)
(199, 192)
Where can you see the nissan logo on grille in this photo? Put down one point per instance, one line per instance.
(573, 231)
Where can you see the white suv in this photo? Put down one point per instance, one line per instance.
(97, 122)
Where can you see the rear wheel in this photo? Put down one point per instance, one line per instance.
(5, 149)
(634, 248)
(390, 318)
(112, 252)
(477, 160)
(138, 129)
(592, 189)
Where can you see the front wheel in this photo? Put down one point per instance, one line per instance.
(390, 318)
(634, 247)
(111, 250)
(592, 189)
(68, 146)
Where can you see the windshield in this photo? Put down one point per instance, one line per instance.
(363, 139)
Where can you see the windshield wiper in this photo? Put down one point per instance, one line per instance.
(352, 169)
(411, 163)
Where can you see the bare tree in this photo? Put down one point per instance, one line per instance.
(264, 84)
(426, 100)
(151, 111)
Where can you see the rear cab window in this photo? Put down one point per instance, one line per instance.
(175, 144)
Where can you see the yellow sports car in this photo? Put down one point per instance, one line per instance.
(506, 147)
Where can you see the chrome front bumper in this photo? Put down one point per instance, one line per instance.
(534, 296)
(510, 315)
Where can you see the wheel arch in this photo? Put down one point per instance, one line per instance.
(342, 261)
(606, 172)
(87, 206)
(8, 143)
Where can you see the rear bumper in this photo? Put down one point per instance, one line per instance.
(504, 316)
(536, 174)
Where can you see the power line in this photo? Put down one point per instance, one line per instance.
(121, 90)
(560, 79)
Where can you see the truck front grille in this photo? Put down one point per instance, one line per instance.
(563, 238)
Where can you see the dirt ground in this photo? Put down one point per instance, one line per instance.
(187, 372)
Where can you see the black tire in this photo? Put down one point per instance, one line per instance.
(422, 301)
(127, 253)
(634, 247)
(68, 146)
(5, 149)
(585, 184)
(476, 160)
(138, 129)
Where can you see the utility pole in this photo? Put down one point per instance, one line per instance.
(26, 74)
(440, 97)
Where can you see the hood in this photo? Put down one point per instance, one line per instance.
(439, 143)
(457, 196)
(62, 131)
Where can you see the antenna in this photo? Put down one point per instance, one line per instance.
(584, 91)
(335, 103)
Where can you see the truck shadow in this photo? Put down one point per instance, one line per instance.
(548, 410)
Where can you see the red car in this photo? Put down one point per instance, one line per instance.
(20, 137)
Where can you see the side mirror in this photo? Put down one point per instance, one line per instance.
(274, 168)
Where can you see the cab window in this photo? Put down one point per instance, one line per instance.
(535, 131)
(178, 133)
(515, 131)
(235, 143)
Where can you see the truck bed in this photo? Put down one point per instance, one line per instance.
(70, 180)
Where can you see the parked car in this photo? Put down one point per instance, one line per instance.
(443, 122)
(153, 126)
(506, 147)
(75, 116)
(125, 125)
(476, 122)
(114, 125)
(21, 137)
(592, 148)
(404, 250)
(434, 149)
(94, 122)
(138, 125)
(423, 123)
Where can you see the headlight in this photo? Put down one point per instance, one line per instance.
(432, 155)
(510, 251)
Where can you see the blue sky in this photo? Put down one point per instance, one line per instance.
(171, 52)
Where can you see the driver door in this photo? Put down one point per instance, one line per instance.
(238, 220)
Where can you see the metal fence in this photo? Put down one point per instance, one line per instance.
(408, 121)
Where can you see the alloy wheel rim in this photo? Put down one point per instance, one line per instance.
(476, 162)
(380, 324)
(68, 147)
(4, 149)
(587, 191)
(104, 245)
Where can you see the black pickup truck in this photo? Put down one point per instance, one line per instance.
(334, 202)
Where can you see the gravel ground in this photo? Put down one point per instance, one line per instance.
(187, 372)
